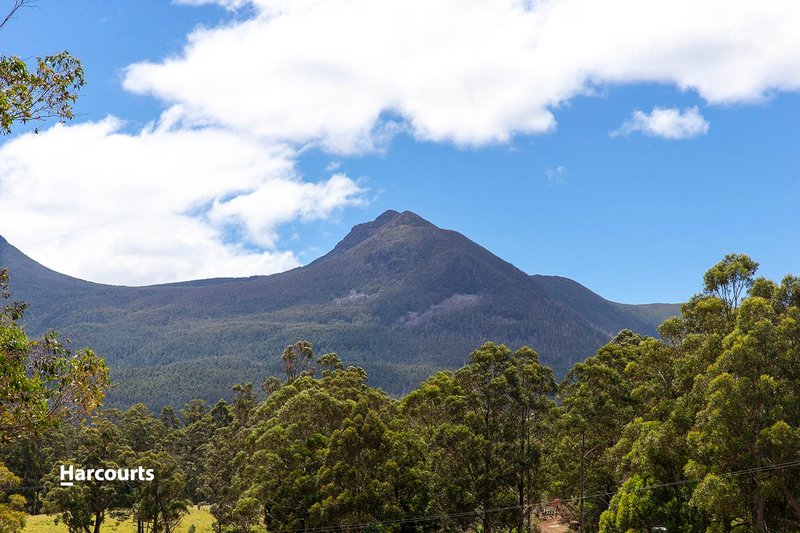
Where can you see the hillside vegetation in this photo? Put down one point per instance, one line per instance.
(696, 431)
(397, 296)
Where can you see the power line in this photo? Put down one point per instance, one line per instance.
(443, 516)
(646, 488)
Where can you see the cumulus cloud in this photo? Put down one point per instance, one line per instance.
(668, 123)
(205, 192)
(261, 210)
(157, 205)
(470, 72)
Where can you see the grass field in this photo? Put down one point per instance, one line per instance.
(201, 519)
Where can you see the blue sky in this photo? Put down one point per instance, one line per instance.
(636, 216)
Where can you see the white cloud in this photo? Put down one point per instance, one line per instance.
(668, 123)
(467, 71)
(155, 206)
(556, 175)
(243, 99)
(263, 209)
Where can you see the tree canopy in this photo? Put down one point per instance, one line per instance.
(47, 88)
(42, 381)
(697, 430)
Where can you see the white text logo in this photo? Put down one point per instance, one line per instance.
(70, 474)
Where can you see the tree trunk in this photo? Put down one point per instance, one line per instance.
(583, 474)
(761, 525)
(521, 475)
(487, 460)
(521, 517)
(98, 521)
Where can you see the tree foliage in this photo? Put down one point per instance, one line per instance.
(86, 506)
(713, 445)
(698, 430)
(47, 89)
(42, 381)
(12, 513)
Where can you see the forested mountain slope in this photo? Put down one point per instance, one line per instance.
(398, 296)
(606, 314)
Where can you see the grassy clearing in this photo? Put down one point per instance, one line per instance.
(200, 517)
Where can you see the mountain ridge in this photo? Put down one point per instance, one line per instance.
(397, 295)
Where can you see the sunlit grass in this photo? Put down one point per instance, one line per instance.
(199, 517)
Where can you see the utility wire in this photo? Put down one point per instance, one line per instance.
(430, 518)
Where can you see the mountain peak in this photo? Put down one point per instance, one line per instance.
(383, 218)
(388, 219)
(398, 296)
(395, 218)
(407, 218)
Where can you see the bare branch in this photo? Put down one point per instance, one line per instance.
(17, 5)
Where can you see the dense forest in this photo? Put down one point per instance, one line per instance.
(697, 430)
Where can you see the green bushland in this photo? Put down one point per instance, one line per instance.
(696, 430)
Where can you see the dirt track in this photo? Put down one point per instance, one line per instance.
(552, 525)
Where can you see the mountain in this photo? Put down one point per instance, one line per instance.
(608, 315)
(398, 296)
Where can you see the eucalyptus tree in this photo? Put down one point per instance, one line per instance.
(485, 426)
(715, 446)
(12, 506)
(41, 380)
(46, 89)
(596, 403)
(86, 505)
(160, 504)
